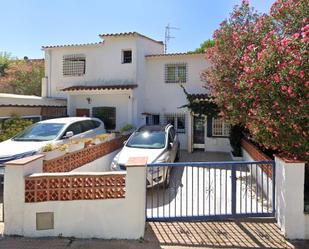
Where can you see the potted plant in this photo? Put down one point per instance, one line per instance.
(236, 136)
(101, 138)
(88, 142)
(126, 129)
(74, 145)
(52, 151)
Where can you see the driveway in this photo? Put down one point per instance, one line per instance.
(205, 191)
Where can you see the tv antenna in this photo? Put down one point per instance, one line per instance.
(168, 36)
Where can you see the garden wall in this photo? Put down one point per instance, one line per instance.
(79, 204)
(262, 173)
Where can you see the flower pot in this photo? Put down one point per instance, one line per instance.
(75, 147)
(53, 154)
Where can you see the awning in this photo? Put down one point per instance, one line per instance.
(101, 87)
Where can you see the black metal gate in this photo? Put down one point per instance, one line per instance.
(210, 190)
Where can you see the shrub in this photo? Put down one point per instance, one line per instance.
(10, 127)
(236, 136)
(259, 75)
(126, 127)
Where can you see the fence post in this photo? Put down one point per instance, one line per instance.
(136, 193)
(234, 194)
(14, 191)
(290, 214)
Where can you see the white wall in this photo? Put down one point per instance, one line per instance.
(107, 218)
(221, 144)
(120, 100)
(103, 66)
(161, 97)
(257, 171)
(290, 199)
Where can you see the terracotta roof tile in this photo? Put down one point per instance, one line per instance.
(200, 96)
(129, 34)
(71, 45)
(172, 54)
(93, 88)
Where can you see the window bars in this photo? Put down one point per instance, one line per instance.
(74, 65)
(220, 128)
(178, 120)
(176, 73)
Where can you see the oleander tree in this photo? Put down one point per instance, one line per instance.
(259, 74)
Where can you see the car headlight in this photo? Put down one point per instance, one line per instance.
(114, 164)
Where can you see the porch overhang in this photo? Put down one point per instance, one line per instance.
(99, 88)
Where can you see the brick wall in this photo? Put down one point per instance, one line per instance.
(79, 158)
(257, 155)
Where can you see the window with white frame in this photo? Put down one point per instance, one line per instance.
(178, 120)
(176, 73)
(220, 128)
(74, 65)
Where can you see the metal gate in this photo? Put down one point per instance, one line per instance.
(210, 190)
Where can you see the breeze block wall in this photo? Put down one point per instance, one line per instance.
(71, 161)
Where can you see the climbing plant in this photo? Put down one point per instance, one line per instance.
(205, 106)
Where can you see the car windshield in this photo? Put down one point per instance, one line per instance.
(147, 140)
(40, 132)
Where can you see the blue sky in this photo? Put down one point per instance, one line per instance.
(27, 25)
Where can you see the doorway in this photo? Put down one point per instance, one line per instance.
(198, 132)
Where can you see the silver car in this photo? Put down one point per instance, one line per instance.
(158, 143)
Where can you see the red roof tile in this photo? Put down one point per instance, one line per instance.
(129, 34)
(93, 88)
(172, 54)
(200, 96)
(71, 45)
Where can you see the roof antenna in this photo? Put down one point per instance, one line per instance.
(168, 36)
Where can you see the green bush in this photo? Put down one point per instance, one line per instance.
(126, 127)
(10, 127)
(236, 136)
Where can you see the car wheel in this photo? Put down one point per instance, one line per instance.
(166, 183)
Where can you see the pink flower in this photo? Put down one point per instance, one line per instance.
(302, 74)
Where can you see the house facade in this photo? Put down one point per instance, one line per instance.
(127, 79)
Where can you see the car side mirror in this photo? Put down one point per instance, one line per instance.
(124, 142)
(69, 134)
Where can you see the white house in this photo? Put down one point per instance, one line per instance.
(127, 78)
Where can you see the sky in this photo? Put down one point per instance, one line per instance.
(26, 25)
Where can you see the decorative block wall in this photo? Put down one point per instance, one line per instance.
(79, 158)
(258, 155)
(74, 187)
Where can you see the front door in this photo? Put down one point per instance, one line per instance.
(198, 132)
(82, 112)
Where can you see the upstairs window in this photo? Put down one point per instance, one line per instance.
(176, 73)
(126, 56)
(74, 65)
(153, 119)
(107, 115)
(220, 128)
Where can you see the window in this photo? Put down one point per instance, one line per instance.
(220, 128)
(178, 120)
(153, 119)
(74, 65)
(87, 125)
(76, 128)
(176, 73)
(107, 115)
(127, 56)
